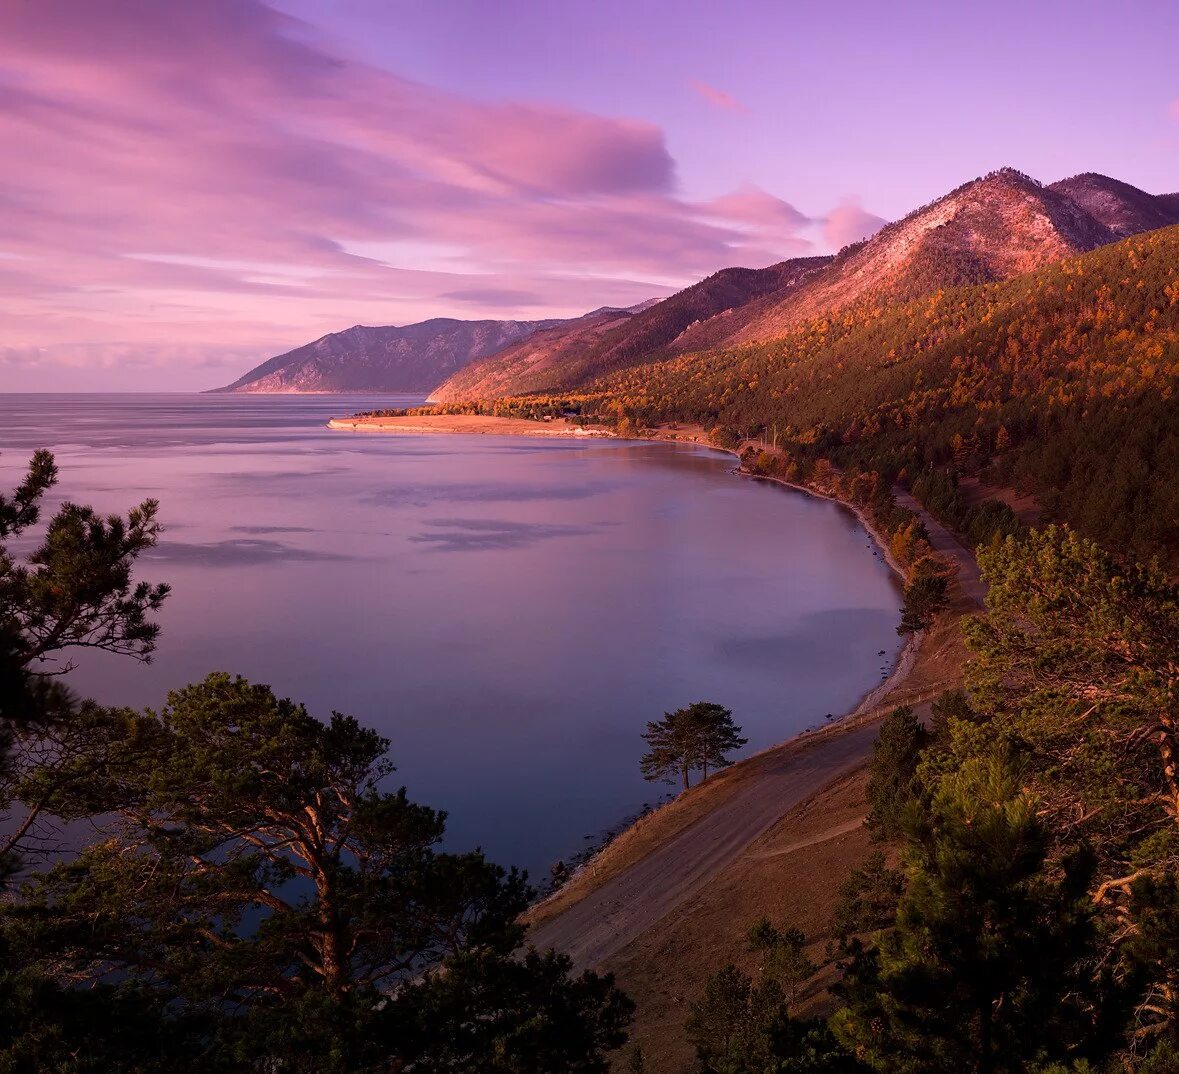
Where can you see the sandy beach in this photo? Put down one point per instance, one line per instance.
(467, 424)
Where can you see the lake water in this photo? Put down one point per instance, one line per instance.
(509, 612)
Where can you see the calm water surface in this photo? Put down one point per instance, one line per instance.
(509, 612)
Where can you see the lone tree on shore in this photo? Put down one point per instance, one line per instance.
(690, 739)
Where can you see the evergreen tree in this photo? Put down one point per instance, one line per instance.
(951, 705)
(268, 900)
(895, 756)
(1074, 664)
(740, 1027)
(692, 739)
(925, 596)
(671, 749)
(784, 957)
(74, 591)
(868, 899)
(737, 1027)
(718, 735)
(988, 967)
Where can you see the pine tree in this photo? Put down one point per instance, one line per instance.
(784, 957)
(691, 739)
(895, 756)
(987, 967)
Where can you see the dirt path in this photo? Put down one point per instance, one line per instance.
(622, 909)
(948, 545)
(815, 840)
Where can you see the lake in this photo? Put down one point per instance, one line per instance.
(508, 612)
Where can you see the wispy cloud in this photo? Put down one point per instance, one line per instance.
(718, 98)
(219, 185)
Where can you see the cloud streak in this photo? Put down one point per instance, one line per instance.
(189, 187)
(718, 98)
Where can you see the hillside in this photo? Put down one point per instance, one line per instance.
(1059, 383)
(1122, 208)
(577, 351)
(413, 358)
(987, 230)
(990, 229)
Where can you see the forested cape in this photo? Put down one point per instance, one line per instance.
(1059, 383)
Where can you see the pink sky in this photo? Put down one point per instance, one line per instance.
(189, 188)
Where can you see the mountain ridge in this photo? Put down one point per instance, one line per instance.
(992, 228)
(400, 358)
(594, 348)
(989, 229)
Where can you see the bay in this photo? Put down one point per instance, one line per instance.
(509, 612)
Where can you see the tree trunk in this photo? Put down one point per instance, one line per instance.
(684, 773)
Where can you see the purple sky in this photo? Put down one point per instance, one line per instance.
(189, 188)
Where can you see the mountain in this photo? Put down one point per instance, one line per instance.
(1122, 208)
(590, 346)
(1059, 384)
(413, 358)
(989, 229)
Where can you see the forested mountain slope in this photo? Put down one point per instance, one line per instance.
(1061, 382)
(591, 346)
(987, 230)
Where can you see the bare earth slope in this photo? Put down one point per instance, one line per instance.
(991, 229)
(413, 358)
(580, 350)
(614, 915)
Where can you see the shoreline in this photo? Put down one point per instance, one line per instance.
(848, 721)
(468, 425)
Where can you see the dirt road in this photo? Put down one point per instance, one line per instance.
(620, 911)
(948, 545)
(624, 907)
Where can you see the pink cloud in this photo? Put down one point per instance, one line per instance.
(849, 222)
(188, 181)
(749, 204)
(718, 98)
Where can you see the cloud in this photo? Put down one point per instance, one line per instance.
(494, 296)
(718, 98)
(849, 222)
(749, 204)
(190, 187)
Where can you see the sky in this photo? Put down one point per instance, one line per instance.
(190, 188)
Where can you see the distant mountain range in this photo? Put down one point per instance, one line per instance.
(991, 229)
(392, 358)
